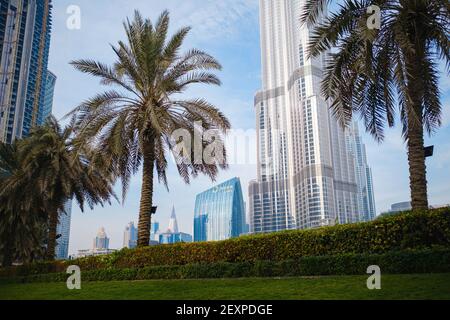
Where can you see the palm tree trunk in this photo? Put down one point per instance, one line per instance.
(417, 165)
(146, 197)
(415, 133)
(51, 241)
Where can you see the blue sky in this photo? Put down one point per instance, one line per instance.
(229, 30)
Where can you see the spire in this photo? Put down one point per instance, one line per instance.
(173, 224)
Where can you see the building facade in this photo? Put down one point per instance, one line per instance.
(49, 94)
(364, 179)
(154, 231)
(305, 175)
(173, 234)
(25, 27)
(220, 213)
(63, 229)
(130, 236)
(101, 242)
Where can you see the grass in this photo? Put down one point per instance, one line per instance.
(396, 287)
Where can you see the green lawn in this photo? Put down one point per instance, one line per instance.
(340, 287)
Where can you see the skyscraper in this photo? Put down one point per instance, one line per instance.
(63, 229)
(220, 212)
(173, 235)
(130, 236)
(49, 93)
(25, 27)
(101, 242)
(305, 175)
(154, 231)
(363, 174)
(173, 223)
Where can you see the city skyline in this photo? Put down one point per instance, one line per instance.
(235, 97)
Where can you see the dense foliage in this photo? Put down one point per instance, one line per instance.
(402, 232)
(397, 262)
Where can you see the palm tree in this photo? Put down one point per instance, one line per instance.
(369, 70)
(21, 213)
(133, 125)
(56, 170)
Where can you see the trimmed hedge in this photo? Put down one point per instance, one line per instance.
(402, 262)
(409, 230)
(394, 233)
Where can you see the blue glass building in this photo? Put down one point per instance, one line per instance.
(25, 27)
(63, 229)
(48, 97)
(171, 238)
(220, 213)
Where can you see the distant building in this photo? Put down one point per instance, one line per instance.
(63, 229)
(130, 236)
(220, 213)
(94, 252)
(171, 238)
(363, 173)
(100, 247)
(25, 28)
(101, 242)
(173, 235)
(154, 231)
(401, 206)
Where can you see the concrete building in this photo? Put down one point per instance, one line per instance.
(306, 175)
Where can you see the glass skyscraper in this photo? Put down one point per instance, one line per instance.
(173, 234)
(101, 242)
(63, 229)
(220, 213)
(25, 27)
(305, 176)
(366, 198)
(49, 93)
(130, 236)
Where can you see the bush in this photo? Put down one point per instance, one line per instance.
(400, 232)
(406, 231)
(402, 262)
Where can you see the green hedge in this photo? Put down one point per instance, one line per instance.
(402, 262)
(399, 232)
(410, 230)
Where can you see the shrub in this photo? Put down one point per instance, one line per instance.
(406, 231)
(401, 262)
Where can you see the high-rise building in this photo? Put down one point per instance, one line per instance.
(305, 175)
(173, 235)
(220, 212)
(173, 223)
(130, 236)
(49, 93)
(154, 231)
(25, 27)
(101, 242)
(364, 179)
(63, 229)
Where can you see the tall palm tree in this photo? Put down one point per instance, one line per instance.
(370, 69)
(57, 171)
(133, 125)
